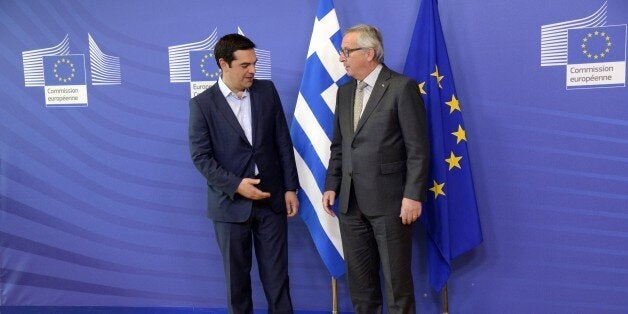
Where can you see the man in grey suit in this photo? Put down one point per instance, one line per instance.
(378, 167)
(239, 141)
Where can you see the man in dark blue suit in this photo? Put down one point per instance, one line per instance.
(239, 141)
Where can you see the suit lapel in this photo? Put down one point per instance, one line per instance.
(381, 85)
(223, 107)
(354, 86)
(255, 113)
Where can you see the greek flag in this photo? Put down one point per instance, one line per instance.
(312, 129)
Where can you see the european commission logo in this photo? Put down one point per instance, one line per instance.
(597, 57)
(593, 53)
(64, 76)
(204, 71)
(64, 80)
(195, 63)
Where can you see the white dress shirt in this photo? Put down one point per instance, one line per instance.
(370, 82)
(241, 107)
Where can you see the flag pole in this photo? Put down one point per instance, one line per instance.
(445, 300)
(334, 295)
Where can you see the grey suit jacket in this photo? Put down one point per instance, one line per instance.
(386, 158)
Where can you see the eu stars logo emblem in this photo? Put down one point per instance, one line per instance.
(64, 70)
(64, 78)
(204, 71)
(596, 57)
(596, 45)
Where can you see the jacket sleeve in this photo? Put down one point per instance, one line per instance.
(284, 146)
(334, 168)
(413, 124)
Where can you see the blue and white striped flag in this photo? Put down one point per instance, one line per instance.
(312, 129)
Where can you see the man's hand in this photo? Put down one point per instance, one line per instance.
(328, 202)
(410, 210)
(247, 189)
(292, 203)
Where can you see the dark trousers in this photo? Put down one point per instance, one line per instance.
(266, 230)
(371, 241)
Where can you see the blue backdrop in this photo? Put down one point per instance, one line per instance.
(101, 206)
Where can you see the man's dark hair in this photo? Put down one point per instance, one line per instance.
(229, 44)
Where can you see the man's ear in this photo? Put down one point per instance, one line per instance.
(223, 64)
(370, 54)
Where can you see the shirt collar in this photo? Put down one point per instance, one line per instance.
(224, 89)
(371, 79)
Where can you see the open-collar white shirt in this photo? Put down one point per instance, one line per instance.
(241, 107)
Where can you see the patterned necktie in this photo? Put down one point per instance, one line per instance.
(357, 104)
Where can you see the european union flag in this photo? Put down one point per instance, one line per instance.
(597, 44)
(64, 70)
(203, 66)
(450, 214)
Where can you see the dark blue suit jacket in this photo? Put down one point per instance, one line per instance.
(222, 153)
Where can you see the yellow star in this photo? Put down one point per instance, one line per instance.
(453, 161)
(438, 189)
(453, 104)
(421, 90)
(460, 134)
(438, 78)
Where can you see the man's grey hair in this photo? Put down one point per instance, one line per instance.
(369, 37)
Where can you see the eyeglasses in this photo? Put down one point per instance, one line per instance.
(345, 52)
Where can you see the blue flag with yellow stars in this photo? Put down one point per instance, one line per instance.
(450, 214)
